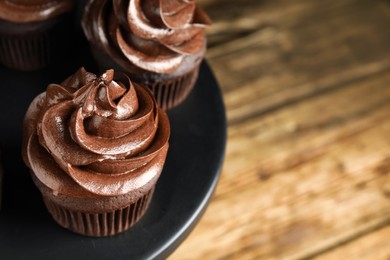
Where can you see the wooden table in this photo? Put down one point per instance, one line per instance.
(307, 171)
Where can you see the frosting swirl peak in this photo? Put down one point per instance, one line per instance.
(154, 35)
(103, 135)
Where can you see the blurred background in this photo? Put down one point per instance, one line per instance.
(306, 86)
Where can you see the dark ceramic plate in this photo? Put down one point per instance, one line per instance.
(192, 169)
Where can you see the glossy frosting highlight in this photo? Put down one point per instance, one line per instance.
(154, 35)
(24, 11)
(95, 136)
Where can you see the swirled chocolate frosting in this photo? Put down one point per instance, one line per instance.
(95, 136)
(24, 11)
(152, 35)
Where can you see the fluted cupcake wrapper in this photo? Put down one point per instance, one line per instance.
(25, 52)
(32, 46)
(99, 224)
(171, 92)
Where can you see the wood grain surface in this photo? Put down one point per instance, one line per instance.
(306, 86)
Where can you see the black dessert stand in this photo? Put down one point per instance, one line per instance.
(184, 189)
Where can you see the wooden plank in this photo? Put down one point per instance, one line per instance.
(301, 176)
(300, 212)
(296, 134)
(285, 58)
(307, 170)
(372, 246)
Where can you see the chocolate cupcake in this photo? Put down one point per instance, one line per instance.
(33, 32)
(96, 147)
(159, 43)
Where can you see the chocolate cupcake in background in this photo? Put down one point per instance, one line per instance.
(160, 43)
(96, 147)
(33, 32)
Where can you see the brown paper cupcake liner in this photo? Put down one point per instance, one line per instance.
(99, 224)
(32, 46)
(171, 92)
(25, 52)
